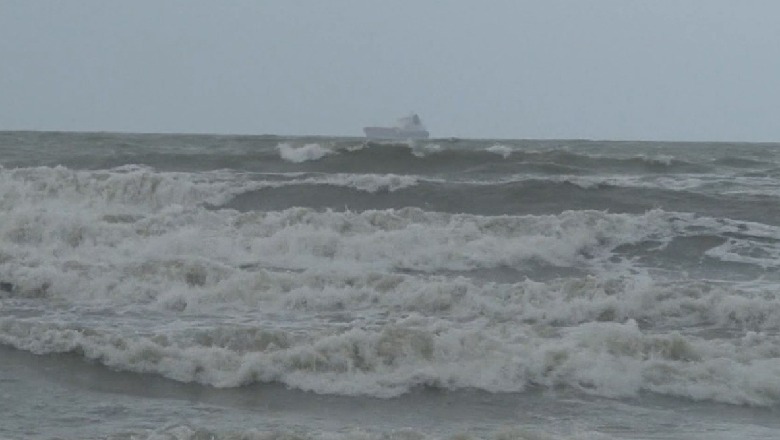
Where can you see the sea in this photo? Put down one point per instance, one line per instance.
(198, 287)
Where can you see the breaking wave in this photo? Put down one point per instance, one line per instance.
(381, 302)
(304, 153)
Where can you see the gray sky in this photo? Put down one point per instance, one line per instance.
(600, 69)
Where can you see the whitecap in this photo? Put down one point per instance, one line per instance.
(304, 153)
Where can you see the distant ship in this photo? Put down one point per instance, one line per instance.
(409, 127)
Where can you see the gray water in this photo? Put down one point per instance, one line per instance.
(183, 286)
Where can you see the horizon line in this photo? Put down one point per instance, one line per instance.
(355, 137)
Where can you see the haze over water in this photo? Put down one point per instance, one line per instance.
(193, 286)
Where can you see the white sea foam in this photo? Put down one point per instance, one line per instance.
(680, 182)
(370, 183)
(614, 359)
(303, 153)
(127, 186)
(609, 322)
(701, 182)
(130, 268)
(425, 149)
(502, 150)
(749, 250)
(137, 189)
(359, 303)
(365, 182)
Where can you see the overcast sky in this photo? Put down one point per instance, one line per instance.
(598, 69)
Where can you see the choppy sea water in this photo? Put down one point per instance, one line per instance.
(197, 287)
